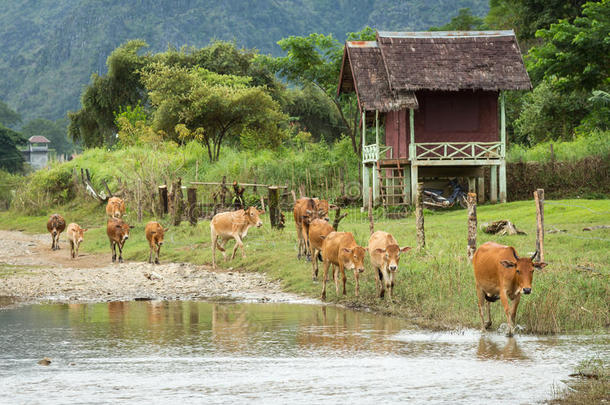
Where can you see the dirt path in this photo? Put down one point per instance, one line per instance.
(31, 272)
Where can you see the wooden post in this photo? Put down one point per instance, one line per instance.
(371, 223)
(493, 184)
(178, 202)
(191, 194)
(481, 189)
(472, 225)
(471, 185)
(502, 176)
(412, 156)
(263, 202)
(338, 218)
(163, 200)
(539, 199)
(274, 206)
(419, 217)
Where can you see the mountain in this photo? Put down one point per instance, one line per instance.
(50, 48)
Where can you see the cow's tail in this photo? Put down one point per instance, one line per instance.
(218, 246)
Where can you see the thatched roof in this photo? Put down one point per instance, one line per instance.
(386, 72)
(38, 139)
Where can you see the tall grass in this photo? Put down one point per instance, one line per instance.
(594, 144)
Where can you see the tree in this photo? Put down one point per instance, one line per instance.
(54, 131)
(315, 60)
(8, 117)
(464, 21)
(11, 158)
(194, 103)
(571, 63)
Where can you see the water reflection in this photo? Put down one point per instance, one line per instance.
(508, 350)
(168, 351)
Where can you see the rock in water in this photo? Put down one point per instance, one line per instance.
(45, 361)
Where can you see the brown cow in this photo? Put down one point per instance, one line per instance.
(75, 236)
(341, 250)
(55, 225)
(305, 211)
(118, 232)
(318, 230)
(115, 207)
(500, 273)
(154, 235)
(385, 255)
(233, 225)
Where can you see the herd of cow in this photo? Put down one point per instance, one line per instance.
(499, 272)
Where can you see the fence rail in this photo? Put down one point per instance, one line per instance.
(458, 151)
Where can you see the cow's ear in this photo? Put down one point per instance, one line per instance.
(332, 207)
(379, 250)
(508, 264)
(308, 212)
(131, 226)
(406, 249)
(261, 212)
(166, 229)
(322, 237)
(346, 250)
(85, 230)
(540, 265)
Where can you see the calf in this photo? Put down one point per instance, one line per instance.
(75, 236)
(233, 225)
(115, 207)
(305, 211)
(318, 230)
(500, 273)
(154, 235)
(341, 250)
(385, 255)
(55, 225)
(118, 232)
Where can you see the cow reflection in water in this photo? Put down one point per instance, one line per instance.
(488, 349)
(230, 328)
(347, 331)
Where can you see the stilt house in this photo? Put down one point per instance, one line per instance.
(437, 97)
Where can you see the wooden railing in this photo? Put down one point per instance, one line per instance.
(372, 153)
(458, 150)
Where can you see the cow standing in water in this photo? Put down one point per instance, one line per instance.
(385, 255)
(118, 233)
(76, 235)
(233, 225)
(154, 235)
(341, 250)
(115, 207)
(500, 273)
(55, 225)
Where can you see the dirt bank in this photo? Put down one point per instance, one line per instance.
(31, 272)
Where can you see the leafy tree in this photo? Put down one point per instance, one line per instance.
(11, 158)
(211, 108)
(8, 117)
(528, 16)
(315, 60)
(464, 21)
(312, 111)
(54, 131)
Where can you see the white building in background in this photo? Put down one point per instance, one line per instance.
(37, 153)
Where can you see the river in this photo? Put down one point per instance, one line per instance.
(200, 352)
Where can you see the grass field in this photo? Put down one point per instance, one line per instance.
(435, 286)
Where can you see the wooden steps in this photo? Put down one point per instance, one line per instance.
(392, 183)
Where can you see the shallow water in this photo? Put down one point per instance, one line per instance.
(196, 352)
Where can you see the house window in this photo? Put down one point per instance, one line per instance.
(451, 112)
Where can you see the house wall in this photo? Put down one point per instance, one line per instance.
(463, 116)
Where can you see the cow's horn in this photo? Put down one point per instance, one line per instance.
(515, 254)
(535, 255)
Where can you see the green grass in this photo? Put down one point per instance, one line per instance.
(435, 287)
(592, 385)
(9, 270)
(594, 144)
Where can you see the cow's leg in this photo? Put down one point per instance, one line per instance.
(326, 265)
(377, 272)
(214, 241)
(150, 253)
(314, 265)
(344, 278)
(306, 240)
(57, 241)
(113, 249)
(513, 309)
(120, 245)
(336, 273)
(391, 285)
(481, 302)
(52, 242)
(77, 246)
(300, 237)
(158, 253)
(504, 299)
(71, 248)
(357, 277)
(238, 243)
(488, 305)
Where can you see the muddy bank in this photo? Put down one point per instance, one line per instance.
(31, 272)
